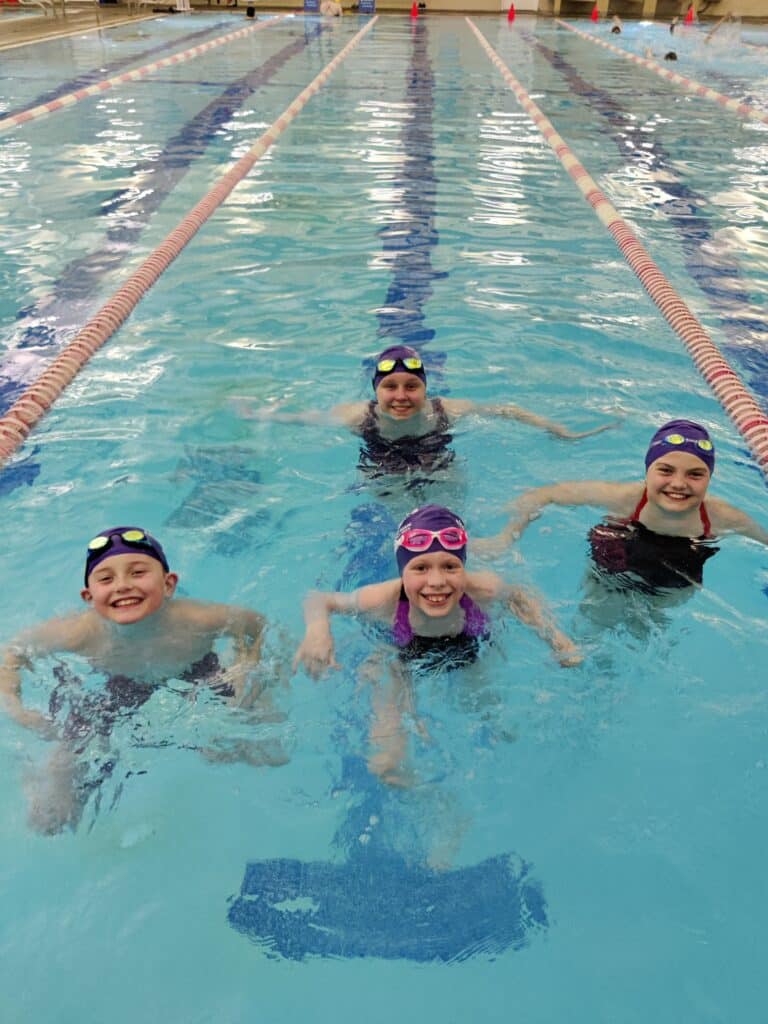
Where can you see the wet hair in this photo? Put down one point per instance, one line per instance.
(670, 56)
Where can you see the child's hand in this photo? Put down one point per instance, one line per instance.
(566, 651)
(316, 653)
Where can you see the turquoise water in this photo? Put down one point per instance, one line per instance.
(411, 198)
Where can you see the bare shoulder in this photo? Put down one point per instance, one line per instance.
(69, 633)
(484, 586)
(456, 407)
(210, 615)
(379, 599)
(350, 414)
(727, 518)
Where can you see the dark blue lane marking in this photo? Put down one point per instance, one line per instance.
(717, 275)
(113, 68)
(48, 327)
(411, 239)
(376, 902)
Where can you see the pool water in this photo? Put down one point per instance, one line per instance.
(580, 845)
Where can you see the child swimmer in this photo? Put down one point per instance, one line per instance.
(138, 634)
(660, 531)
(435, 612)
(402, 429)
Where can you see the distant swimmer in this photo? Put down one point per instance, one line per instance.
(670, 56)
(402, 429)
(673, 24)
(616, 25)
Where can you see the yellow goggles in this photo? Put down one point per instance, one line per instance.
(409, 362)
(129, 536)
(701, 442)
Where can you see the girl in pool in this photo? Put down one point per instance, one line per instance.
(660, 531)
(435, 612)
(402, 429)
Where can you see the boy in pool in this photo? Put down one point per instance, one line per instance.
(139, 635)
(402, 429)
(436, 612)
(660, 531)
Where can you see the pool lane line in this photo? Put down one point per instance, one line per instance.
(749, 419)
(43, 325)
(64, 102)
(113, 66)
(717, 274)
(410, 240)
(689, 84)
(26, 412)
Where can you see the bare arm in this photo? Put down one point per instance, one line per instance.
(727, 519)
(316, 651)
(246, 630)
(529, 608)
(57, 635)
(619, 499)
(349, 415)
(456, 408)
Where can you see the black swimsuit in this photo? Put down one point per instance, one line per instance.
(380, 456)
(637, 558)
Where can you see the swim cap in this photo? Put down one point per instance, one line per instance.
(431, 518)
(682, 436)
(398, 353)
(122, 540)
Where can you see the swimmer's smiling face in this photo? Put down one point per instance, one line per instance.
(435, 583)
(401, 395)
(128, 588)
(677, 482)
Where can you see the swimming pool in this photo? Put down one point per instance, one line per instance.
(410, 199)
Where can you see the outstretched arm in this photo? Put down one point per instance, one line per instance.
(727, 519)
(457, 407)
(10, 694)
(618, 499)
(529, 608)
(316, 651)
(349, 415)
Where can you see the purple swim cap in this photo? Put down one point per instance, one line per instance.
(431, 518)
(122, 540)
(682, 436)
(398, 353)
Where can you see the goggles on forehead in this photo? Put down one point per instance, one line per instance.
(702, 443)
(452, 538)
(135, 538)
(409, 362)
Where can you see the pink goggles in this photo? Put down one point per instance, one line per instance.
(451, 538)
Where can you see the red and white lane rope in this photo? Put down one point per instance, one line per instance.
(32, 113)
(689, 84)
(749, 419)
(40, 396)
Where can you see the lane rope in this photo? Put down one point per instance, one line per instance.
(689, 84)
(63, 102)
(25, 413)
(738, 403)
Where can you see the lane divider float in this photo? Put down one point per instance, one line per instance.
(689, 84)
(738, 403)
(25, 413)
(62, 102)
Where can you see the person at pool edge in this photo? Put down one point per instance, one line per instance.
(436, 612)
(402, 429)
(660, 530)
(139, 635)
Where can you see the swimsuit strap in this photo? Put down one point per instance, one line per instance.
(402, 633)
(635, 517)
(443, 423)
(475, 619)
(705, 522)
